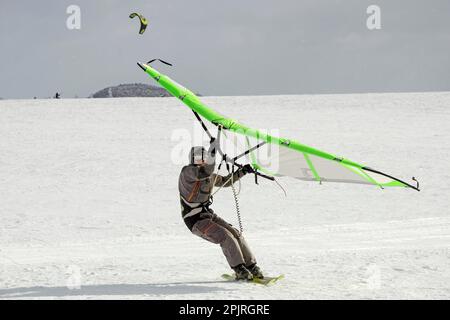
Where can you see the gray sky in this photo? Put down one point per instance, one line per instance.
(233, 47)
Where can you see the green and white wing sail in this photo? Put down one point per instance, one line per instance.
(293, 159)
(299, 164)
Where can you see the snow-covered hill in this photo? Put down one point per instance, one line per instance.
(89, 205)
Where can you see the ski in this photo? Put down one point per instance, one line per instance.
(265, 281)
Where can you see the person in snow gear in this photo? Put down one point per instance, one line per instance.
(195, 185)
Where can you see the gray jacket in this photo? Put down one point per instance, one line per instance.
(195, 185)
(196, 182)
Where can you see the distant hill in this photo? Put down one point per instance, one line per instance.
(131, 90)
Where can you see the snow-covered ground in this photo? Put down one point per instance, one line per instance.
(89, 205)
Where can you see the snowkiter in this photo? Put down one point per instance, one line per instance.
(195, 184)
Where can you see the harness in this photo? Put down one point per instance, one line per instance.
(194, 208)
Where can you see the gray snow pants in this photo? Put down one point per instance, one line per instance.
(218, 231)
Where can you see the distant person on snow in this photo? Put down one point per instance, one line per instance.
(57, 95)
(195, 184)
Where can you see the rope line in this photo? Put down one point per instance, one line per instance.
(236, 201)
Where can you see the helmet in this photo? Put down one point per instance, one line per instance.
(199, 155)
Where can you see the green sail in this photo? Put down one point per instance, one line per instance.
(296, 160)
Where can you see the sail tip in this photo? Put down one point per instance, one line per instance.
(141, 65)
(417, 183)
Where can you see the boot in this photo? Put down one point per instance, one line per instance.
(256, 271)
(242, 273)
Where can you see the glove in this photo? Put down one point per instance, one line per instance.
(247, 169)
(212, 147)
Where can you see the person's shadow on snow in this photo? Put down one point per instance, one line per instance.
(155, 290)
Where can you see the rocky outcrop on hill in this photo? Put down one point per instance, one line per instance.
(131, 90)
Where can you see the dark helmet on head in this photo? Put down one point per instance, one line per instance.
(199, 155)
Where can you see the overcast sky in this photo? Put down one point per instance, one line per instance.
(233, 47)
